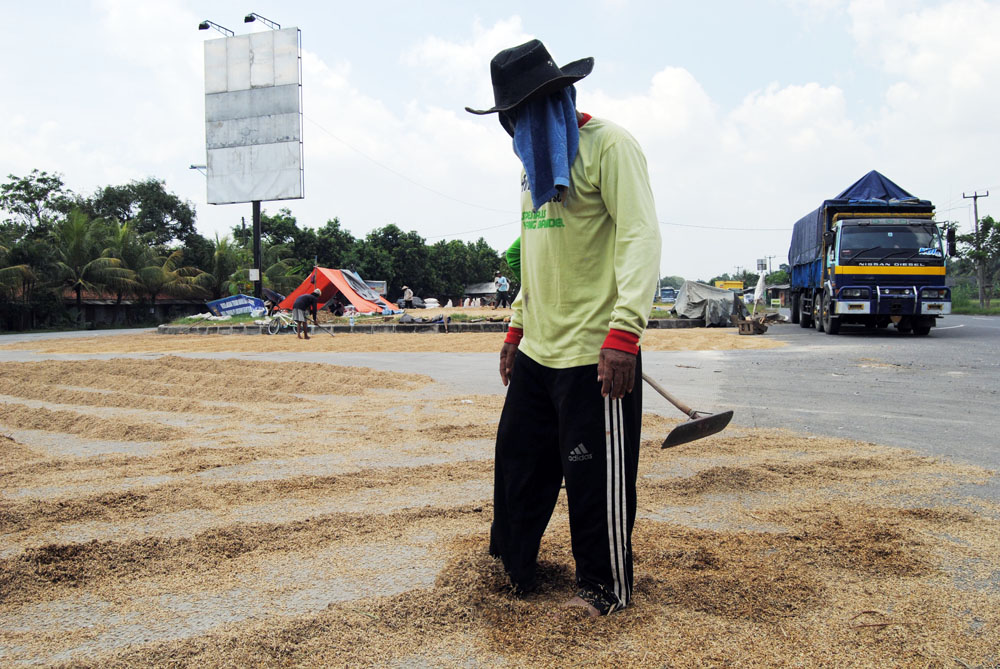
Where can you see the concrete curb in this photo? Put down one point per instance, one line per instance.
(390, 328)
(674, 323)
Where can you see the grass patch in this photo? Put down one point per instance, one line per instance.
(236, 319)
(970, 308)
(965, 301)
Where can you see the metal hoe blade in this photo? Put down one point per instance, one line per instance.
(698, 428)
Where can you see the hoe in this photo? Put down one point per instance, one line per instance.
(699, 426)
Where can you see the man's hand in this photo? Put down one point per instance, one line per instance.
(615, 371)
(507, 354)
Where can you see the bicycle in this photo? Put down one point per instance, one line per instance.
(279, 320)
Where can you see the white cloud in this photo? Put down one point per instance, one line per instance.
(674, 107)
(938, 114)
(951, 46)
(815, 10)
(466, 65)
(796, 120)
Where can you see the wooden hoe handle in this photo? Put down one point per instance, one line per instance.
(670, 398)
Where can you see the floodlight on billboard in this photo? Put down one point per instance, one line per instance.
(253, 117)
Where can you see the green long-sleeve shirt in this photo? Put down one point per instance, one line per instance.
(590, 262)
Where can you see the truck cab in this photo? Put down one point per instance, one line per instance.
(883, 269)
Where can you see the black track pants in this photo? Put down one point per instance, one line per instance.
(556, 425)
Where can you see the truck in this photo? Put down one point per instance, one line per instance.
(668, 294)
(872, 256)
(729, 285)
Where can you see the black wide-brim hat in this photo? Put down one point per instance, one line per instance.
(527, 71)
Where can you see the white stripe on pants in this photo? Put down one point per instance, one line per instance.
(617, 530)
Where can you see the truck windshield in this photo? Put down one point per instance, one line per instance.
(889, 241)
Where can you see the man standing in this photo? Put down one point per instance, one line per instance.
(590, 249)
(301, 307)
(503, 286)
(407, 298)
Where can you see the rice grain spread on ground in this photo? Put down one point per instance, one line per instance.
(159, 510)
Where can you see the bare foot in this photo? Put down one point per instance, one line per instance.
(578, 602)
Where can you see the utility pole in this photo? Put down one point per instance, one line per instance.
(769, 263)
(255, 273)
(980, 262)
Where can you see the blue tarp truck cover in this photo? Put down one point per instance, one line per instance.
(873, 191)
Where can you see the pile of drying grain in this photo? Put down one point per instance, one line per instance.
(303, 528)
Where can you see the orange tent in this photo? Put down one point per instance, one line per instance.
(332, 282)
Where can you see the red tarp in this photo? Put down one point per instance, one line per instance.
(332, 282)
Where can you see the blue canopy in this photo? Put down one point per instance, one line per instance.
(873, 189)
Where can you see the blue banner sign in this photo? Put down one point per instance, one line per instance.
(236, 304)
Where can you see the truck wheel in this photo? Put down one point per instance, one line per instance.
(795, 308)
(921, 330)
(831, 325)
(805, 319)
(817, 313)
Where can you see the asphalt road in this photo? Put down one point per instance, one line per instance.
(938, 394)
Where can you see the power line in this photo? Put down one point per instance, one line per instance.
(466, 232)
(944, 211)
(713, 227)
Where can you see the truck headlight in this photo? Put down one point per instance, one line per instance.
(854, 293)
(933, 293)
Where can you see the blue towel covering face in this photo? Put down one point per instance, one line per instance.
(546, 139)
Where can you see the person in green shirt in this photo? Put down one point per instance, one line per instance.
(589, 258)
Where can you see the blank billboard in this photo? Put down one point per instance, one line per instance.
(253, 117)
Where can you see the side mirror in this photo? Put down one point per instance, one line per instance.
(951, 242)
(828, 237)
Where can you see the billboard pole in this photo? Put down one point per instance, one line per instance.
(256, 249)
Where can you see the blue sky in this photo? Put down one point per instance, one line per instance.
(750, 113)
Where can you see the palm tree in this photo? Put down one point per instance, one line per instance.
(163, 275)
(25, 266)
(12, 275)
(133, 250)
(283, 274)
(227, 259)
(79, 260)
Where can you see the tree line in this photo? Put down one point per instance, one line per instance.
(138, 242)
(975, 273)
